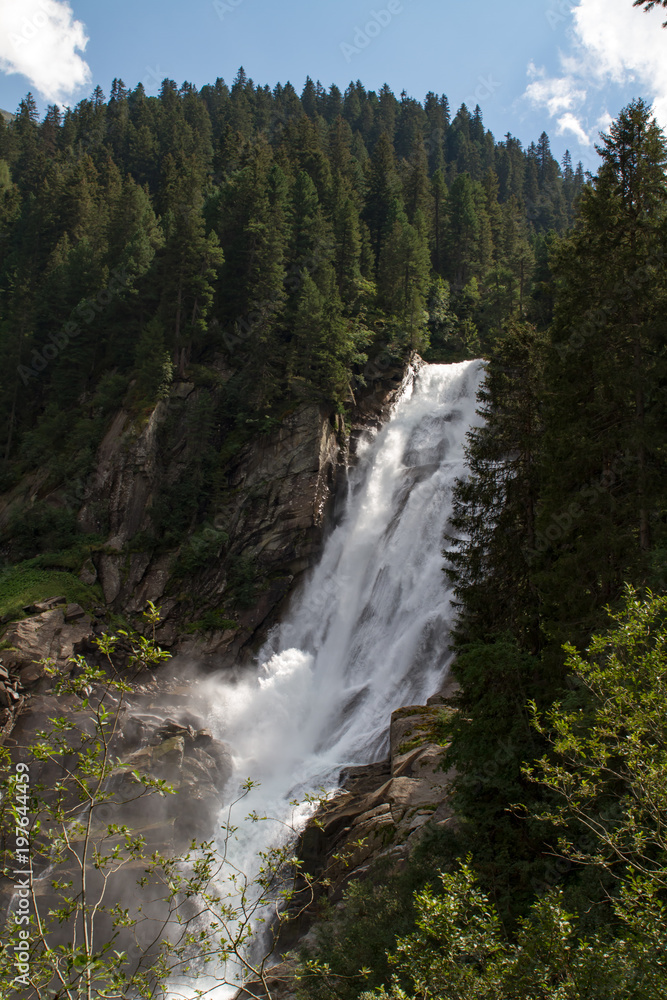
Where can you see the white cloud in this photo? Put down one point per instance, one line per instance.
(41, 40)
(611, 43)
(556, 94)
(570, 123)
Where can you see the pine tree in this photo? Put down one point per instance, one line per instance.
(604, 484)
(189, 265)
(495, 509)
(348, 250)
(439, 199)
(383, 198)
(416, 188)
(403, 280)
(463, 231)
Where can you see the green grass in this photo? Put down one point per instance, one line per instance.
(212, 621)
(27, 583)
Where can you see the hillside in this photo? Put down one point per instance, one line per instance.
(240, 327)
(189, 273)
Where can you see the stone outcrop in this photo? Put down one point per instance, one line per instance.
(195, 764)
(53, 635)
(57, 632)
(383, 808)
(271, 514)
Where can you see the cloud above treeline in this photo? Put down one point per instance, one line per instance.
(42, 40)
(608, 42)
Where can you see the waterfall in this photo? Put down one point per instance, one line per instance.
(370, 630)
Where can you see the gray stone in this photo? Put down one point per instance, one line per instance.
(203, 737)
(88, 574)
(41, 606)
(44, 636)
(171, 728)
(170, 751)
(74, 612)
(31, 674)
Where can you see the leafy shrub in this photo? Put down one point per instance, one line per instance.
(242, 582)
(200, 550)
(41, 528)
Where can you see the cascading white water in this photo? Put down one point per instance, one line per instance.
(370, 630)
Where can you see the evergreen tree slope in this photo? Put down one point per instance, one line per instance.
(287, 239)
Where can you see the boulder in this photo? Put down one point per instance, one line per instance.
(74, 613)
(40, 606)
(44, 636)
(384, 808)
(88, 574)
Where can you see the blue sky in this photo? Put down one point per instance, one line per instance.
(566, 66)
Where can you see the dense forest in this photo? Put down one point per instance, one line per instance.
(290, 240)
(558, 736)
(279, 245)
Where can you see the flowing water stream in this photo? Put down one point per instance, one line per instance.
(370, 630)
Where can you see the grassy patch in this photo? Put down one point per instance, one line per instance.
(27, 583)
(417, 741)
(434, 729)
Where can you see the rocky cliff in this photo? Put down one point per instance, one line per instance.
(222, 579)
(269, 516)
(263, 530)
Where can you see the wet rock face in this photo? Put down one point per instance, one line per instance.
(383, 809)
(195, 764)
(56, 632)
(277, 491)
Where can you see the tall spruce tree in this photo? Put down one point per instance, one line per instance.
(603, 467)
(495, 507)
